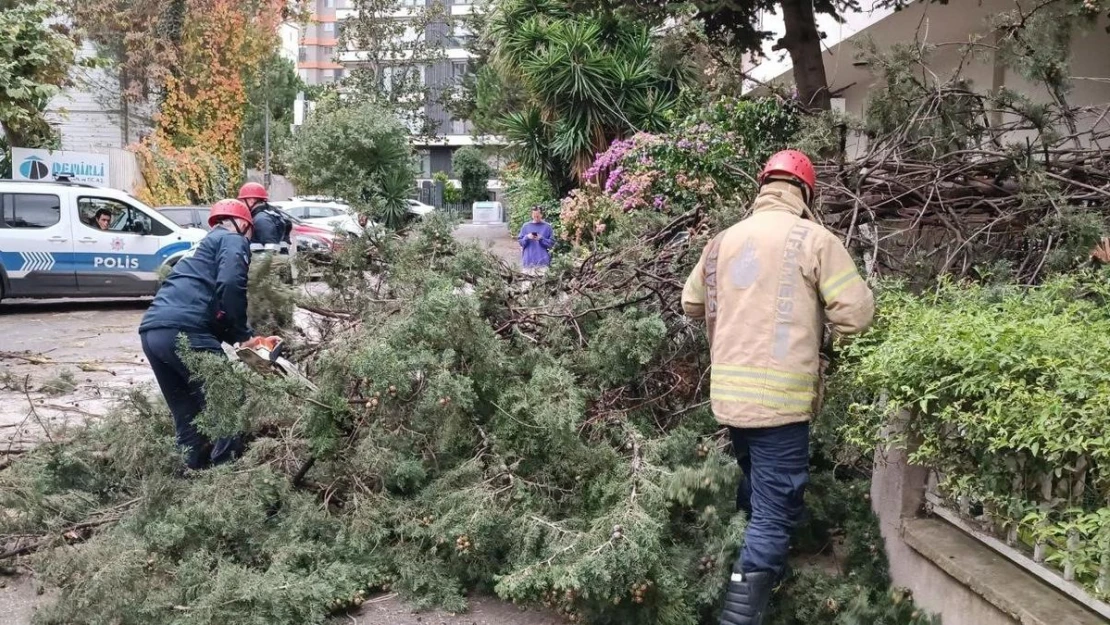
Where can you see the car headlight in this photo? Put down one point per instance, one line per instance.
(309, 243)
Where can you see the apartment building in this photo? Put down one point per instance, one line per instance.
(322, 61)
(316, 53)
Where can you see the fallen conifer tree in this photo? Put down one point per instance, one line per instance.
(543, 439)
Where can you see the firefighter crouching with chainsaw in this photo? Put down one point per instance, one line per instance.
(766, 286)
(204, 298)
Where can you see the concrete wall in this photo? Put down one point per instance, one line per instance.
(281, 188)
(89, 116)
(896, 493)
(950, 572)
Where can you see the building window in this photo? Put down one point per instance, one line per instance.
(302, 54)
(401, 76)
(329, 75)
(327, 52)
(462, 2)
(329, 27)
(460, 36)
(303, 74)
(329, 4)
(458, 72)
(422, 163)
(412, 3)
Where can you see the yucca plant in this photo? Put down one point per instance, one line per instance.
(590, 81)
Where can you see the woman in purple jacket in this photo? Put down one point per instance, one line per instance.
(536, 240)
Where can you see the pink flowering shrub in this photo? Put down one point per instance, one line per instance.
(708, 158)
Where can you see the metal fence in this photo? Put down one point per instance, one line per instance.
(432, 195)
(1075, 558)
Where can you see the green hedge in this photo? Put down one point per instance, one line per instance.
(1006, 389)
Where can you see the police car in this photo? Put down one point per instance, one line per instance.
(67, 239)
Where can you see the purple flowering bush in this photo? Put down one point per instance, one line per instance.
(709, 158)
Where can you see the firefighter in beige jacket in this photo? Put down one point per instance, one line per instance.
(766, 287)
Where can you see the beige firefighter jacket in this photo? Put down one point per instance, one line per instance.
(766, 287)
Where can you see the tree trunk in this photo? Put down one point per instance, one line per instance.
(803, 42)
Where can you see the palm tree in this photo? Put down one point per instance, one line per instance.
(589, 80)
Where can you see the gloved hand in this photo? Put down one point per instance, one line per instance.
(1101, 253)
(269, 342)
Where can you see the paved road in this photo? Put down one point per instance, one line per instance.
(496, 239)
(96, 342)
(92, 341)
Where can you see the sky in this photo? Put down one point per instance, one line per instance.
(778, 62)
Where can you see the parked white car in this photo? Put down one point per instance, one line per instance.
(324, 214)
(334, 214)
(67, 239)
(420, 209)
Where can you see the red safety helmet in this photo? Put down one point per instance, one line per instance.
(229, 208)
(790, 163)
(253, 191)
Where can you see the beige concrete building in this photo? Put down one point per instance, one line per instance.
(949, 27)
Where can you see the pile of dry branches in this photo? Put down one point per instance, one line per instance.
(963, 181)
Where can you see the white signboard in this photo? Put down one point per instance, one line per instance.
(44, 165)
(487, 212)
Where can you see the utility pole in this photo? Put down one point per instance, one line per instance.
(266, 147)
(266, 130)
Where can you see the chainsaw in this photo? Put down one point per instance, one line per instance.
(266, 359)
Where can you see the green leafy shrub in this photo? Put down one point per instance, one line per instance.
(473, 173)
(359, 153)
(1003, 390)
(523, 191)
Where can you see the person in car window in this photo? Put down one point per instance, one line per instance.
(103, 219)
(205, 299)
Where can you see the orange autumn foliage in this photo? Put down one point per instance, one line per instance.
(201, 116)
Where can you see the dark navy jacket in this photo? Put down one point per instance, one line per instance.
(270, 228)
(206, 293)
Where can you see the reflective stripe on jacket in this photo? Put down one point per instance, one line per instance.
(766, 286)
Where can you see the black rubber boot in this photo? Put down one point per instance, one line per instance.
(747, 598)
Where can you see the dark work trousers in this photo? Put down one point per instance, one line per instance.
(185, 397)
(775, 462)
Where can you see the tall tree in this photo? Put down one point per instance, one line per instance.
(735, 23)
(223, 42)
(393, 56)
(274, 87)
(35, 59)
